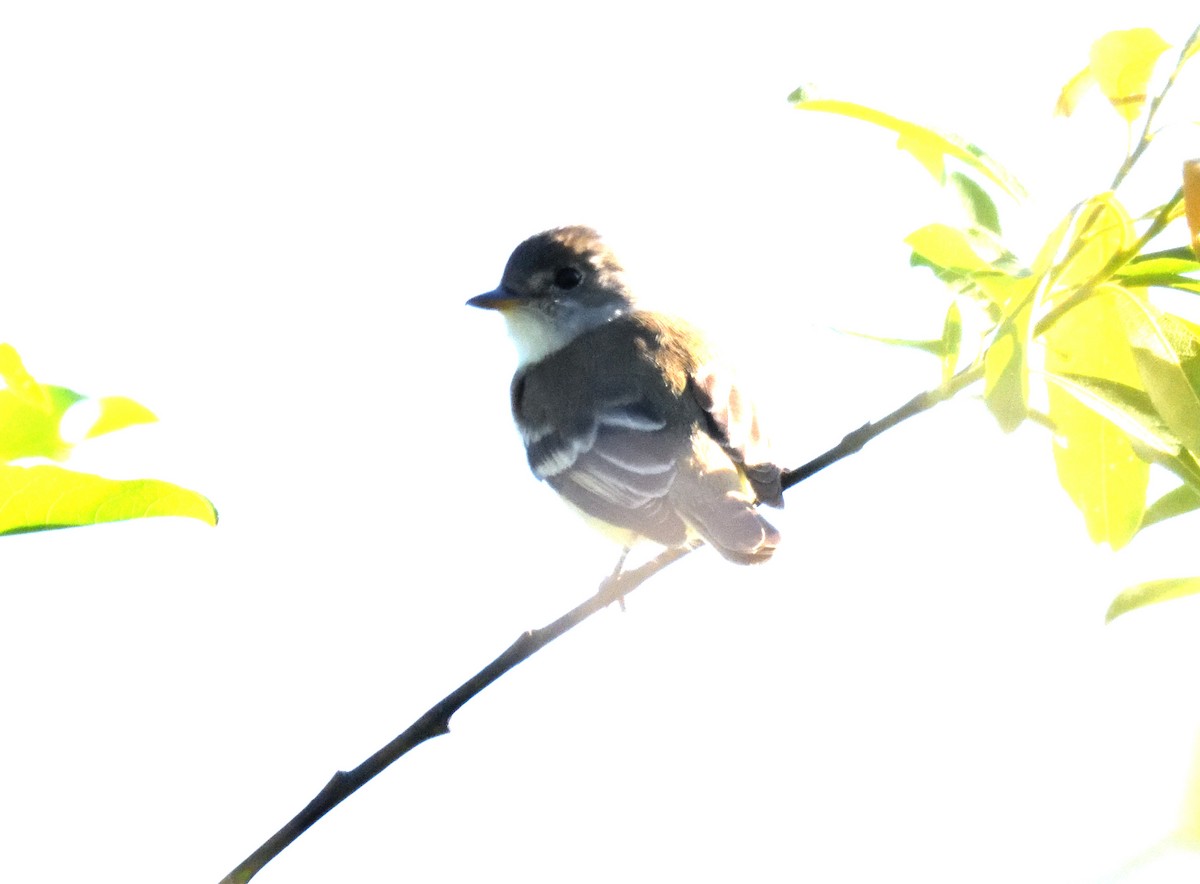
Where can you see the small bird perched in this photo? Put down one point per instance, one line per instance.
(625, 412)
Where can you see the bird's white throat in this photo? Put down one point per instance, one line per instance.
(537, 335)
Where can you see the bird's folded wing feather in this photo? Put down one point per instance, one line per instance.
(617, 469)
(733, 422)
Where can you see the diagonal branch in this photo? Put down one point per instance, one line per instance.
(436, 721)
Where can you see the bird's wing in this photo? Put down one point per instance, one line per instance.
(733, 422)
(617, 469)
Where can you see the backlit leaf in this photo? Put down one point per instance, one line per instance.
(1127, 407)
(1006, 373)
(933, 346)
(117, 413)
(1163, 269)
(31, 413)
(1122, 62)
(979, 205)
(29, 425)
(1068, 98)
(1151, 593)
(952, 252)
(46, 497)
(951, 341)
(1167, 354)
(19, 381)
(1191, 194)
(1175, 502)
(1102, 229)
(1097, 464)
(928, 147)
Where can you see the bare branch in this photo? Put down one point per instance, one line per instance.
(436, 721)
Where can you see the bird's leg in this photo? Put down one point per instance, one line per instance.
(616, 573)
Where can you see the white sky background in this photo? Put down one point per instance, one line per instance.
(262, 220)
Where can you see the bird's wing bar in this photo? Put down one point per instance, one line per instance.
(618, 470)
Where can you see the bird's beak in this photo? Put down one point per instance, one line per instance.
(497, 299)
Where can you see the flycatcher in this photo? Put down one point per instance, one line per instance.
(625, 412)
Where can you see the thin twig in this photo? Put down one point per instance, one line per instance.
(1116, 262)
(1133, 156)
(436, 721)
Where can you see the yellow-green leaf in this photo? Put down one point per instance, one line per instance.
(953, 253)
(45, 497)
(117, 413)
(951, 341)
(928, 147)
(1051, 248)
(31, 413)
(1068, 98)
(1151, 593)
(1163, 270)
(1192, 47)
(1175, 502)
(947, 247)
(978, 202)
(1102, 230)
(932, 346)
(1174, 262)
(1122, 62)
(1127, 407)
(29, 425)
(1095, 457)
(1006, 373)
(19, 381)
(1167, 352)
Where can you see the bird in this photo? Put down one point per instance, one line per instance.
(627, 413)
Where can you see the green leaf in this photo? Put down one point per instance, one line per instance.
(951, 341)
(117, 413)
(932, 346)
(1151, 593)
(1192, 47)
(1098, 466)
(1128, 408)
(1191, 191)
(1068, 98)
(976, 201)
(29, 422)
(31, 413)
(1161, 270)
(19, 381)
(1092, 394)
(954, 256)
(1006, 373)
(928, 147)
(1167, 351)
(45, 497)
(1122, 62)
(1156, 265)
(1102, 230)
(1176, 502)
(1183, 253)
(1165, 281)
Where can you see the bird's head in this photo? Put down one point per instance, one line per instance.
(556, 286)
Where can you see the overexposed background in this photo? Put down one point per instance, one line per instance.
(262, 219)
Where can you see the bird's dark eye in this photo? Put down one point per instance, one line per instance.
(567, 278)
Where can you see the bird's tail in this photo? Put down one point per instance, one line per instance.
(716, 500)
